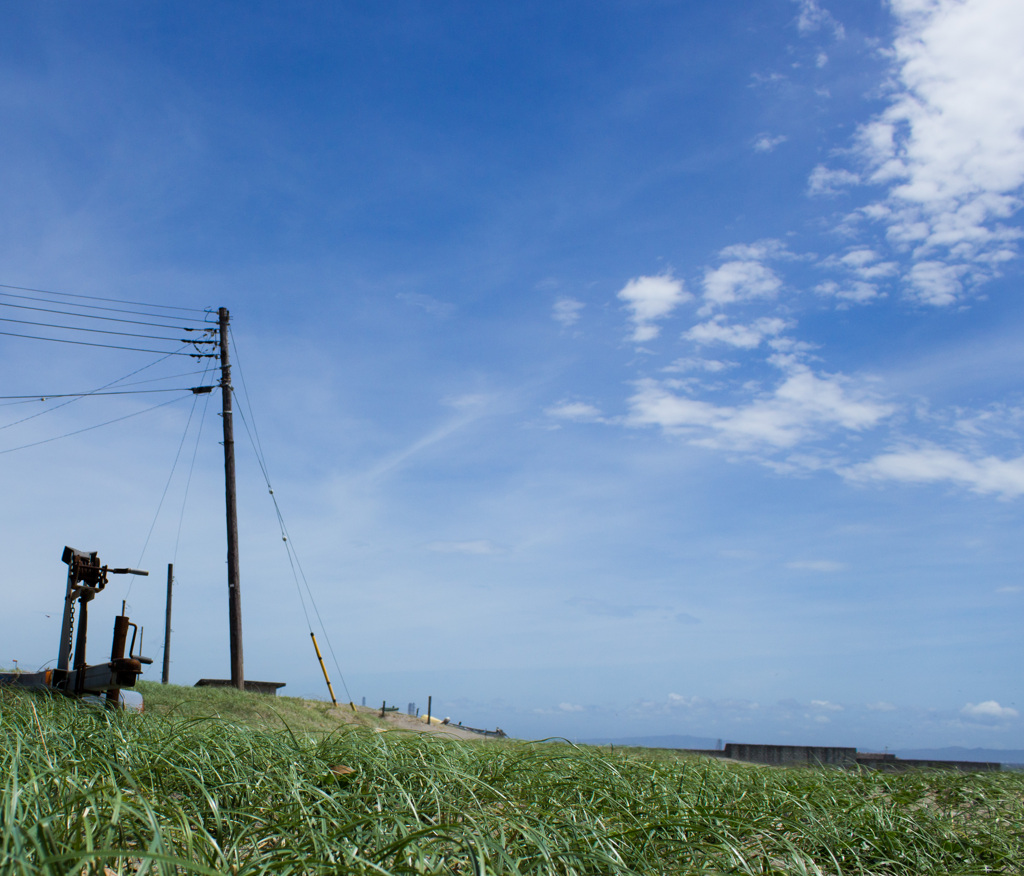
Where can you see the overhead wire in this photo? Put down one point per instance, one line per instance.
(203, 371)
(91, 428)
(96, 316)
(188, 484)
(45, 396)
(99, 389)
(110, 346)
(205, 321)
(293, 557)
(95, 331)
(188, 480)
(97, 298)
(167, 486)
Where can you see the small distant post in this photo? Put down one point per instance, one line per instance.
(167, 627)
(430, 702)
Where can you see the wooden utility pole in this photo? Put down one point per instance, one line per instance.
(234, 584)
(167, 628)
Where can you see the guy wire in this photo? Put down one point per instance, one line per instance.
(293, 557)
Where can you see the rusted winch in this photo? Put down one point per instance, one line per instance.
(72, 676)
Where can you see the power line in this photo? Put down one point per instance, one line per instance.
(198, 390)
(90, 428)
(202, 371)
(188, 480)
(100, 307)
(94, 316)
(75, 328)
(96, 298)
(112, 346)
(167, 486)
(98, 389)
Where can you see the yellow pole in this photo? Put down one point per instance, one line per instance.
(322, 667)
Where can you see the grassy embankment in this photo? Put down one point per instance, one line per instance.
(85, 790)
(253, 710)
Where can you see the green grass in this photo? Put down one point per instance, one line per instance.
(85, 789)
(266, 712)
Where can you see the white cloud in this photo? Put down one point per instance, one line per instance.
(650, 299)
(566, 311)
(933, 465)
(949, 148)
(824, 181)
(570, 707)
(857, 292)
(935, 282)
(812, 18)
(426, 302)
(767, 143)
(577, 411)
(816, 566)
(468, 401)
(826, 705)
(697, 364)
(801, 406)
(989, 710)
(881, 706)
(473, 548)
(1012, 588)
(866, 264)
(745, 336)
(743, 276)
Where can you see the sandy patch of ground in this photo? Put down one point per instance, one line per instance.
(401, 721)
(418, 725)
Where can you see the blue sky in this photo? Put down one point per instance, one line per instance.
(621, 368)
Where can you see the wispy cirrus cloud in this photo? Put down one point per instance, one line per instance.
(768, 143)
(431, 305)
(480, 547)
(827, 566)
(812, 17)
(988, 474)
(566, 311)
(697, 363)
(575, 411)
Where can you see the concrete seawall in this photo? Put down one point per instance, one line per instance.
(833, 756)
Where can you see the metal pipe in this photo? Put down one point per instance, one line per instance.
(121, 624)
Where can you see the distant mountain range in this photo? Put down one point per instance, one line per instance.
(973, 755)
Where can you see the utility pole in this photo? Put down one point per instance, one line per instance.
(234, 585)
(167, 628)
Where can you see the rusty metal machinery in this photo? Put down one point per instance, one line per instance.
(73, 676)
